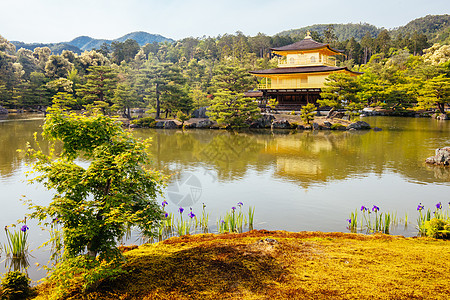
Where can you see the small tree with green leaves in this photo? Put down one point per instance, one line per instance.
(341, 92)
(182, 117)
(435, 93)
(15, 286)
(234, 110)
(307, 113)
(95, 203)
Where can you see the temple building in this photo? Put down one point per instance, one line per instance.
(301, 73)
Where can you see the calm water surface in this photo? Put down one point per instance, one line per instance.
(295, 180)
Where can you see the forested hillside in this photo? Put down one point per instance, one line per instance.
(342, 31)
(434, 27)
(400, 72)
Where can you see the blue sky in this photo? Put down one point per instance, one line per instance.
(63, 20)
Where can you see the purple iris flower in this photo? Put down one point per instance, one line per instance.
(166, 215)
(164, 203)
(191, 215)
(375, 208)
(24, 228)
(420, 207)
(240, 204)
(349, 221)
(363, 208)
(233, 208)
(181, 210)
(439, 205)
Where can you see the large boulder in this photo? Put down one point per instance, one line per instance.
(442, 117)
(200, 113)
(207, 123)
(3, 111)
(265, 121)
(159, 124)
(281, 124)
(442, 157)
(359, 125)
(170, 124)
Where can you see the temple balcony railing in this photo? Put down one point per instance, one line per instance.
(279, 86)
(303, 62)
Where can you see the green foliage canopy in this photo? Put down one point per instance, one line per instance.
(341, 92)
(232, 109)
(96, 203)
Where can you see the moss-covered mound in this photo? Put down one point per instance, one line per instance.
(284, 265)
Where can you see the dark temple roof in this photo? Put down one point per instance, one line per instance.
(308, 69)
(305, 44)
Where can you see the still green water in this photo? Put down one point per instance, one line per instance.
(295, 180)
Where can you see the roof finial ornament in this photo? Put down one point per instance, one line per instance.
(308, 35)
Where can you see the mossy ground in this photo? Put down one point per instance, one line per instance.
(305, 265)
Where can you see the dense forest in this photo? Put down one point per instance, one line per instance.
(401, 70)
(434, 27)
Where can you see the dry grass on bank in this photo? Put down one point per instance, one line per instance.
(305, 265)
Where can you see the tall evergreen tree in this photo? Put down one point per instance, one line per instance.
(163, 82)
(229, 76)
(340, 92)
(99, 88)
(232, 109)
(435, 92)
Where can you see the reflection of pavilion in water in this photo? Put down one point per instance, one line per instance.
(301, 159)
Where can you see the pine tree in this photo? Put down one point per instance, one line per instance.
(99, 88)
(340, 92)
(234, 110)
(164, 89)
(124, 99)
(436, 91)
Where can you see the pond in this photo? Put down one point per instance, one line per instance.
(295, 180)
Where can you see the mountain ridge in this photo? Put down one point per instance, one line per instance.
(86, 43)
(435, 27)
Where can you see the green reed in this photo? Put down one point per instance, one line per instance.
(372, 220)
(17, 244)
(251, 215)
(204, 219)
(375, 221)
(353, 221)
(427, 216)
(233, 221)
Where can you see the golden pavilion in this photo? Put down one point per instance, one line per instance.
(301, 73)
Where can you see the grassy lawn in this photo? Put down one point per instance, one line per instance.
(283, 265)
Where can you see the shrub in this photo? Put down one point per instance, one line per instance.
(293, 112)
(437, 228)
(15, 285)
(81, 274)
(307, 113)
(147, 122)
(182, 117)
